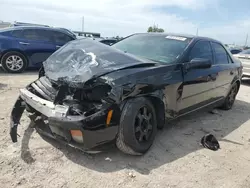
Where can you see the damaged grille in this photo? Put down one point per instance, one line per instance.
(81, 101)
(43, 88)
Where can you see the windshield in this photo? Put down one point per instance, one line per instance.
(160, 48)
(245, 52)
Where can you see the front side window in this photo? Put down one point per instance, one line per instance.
(201, 49)
(220, 53)
(159, 48)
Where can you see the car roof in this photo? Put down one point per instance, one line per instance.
(194, 37)
(108, 39)
(36, 27)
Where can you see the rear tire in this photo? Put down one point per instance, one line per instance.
(138, 127)
(229, 101)
(14, 62)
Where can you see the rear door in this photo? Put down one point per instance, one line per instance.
(61, 38)
(199, 86)
(225, 67)
(37, 44)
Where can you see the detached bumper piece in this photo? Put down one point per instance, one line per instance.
(16, 115)
(88, 133)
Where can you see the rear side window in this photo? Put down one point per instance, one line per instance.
(221, 56)
(46, 35)
(31, 34)
(17, 33)
(202, 49)
(39, 34)
(61, 37)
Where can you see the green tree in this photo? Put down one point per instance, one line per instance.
(160, 30)
(150, 29)
(155, 28)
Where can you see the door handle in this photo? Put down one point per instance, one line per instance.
(24, 43)
(231, 72)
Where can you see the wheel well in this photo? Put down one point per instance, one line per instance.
(238, 84)
(159, 110)
(14, 50)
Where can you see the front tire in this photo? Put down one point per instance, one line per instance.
(138, 127)
(14, 62)
(229, 101)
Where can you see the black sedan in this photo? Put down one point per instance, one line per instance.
(89, 94)
(108, 41)
(235, 50)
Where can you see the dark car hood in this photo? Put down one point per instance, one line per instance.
(84, 59)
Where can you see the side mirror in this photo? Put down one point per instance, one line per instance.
(199, 63)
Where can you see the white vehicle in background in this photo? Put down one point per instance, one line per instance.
(244, 57)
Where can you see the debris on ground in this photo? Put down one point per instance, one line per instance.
(215, 111)
(209, 141)
(108, 159)
(131, 175)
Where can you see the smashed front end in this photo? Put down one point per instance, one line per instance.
(69, 103)
(79, 117)
(75, 99)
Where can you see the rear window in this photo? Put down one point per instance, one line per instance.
(61, 37)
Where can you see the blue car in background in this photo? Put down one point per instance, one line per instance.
(28, 46)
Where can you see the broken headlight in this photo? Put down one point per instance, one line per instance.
(96, 93)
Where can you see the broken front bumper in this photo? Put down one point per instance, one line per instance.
(54, 121)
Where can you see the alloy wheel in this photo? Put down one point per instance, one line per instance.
(232, 95)
(143, 124)
(14, 62)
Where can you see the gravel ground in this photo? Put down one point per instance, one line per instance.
(176, 159)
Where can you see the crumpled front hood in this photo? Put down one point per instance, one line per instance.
(83, 59)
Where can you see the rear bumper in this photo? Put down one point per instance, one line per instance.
(53, 121)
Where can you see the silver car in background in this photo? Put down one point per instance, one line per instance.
(244, 57)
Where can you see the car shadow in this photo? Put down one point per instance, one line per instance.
(178, 139)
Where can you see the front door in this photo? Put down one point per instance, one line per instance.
(199, 85)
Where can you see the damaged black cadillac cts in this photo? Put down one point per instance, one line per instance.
(89, 94)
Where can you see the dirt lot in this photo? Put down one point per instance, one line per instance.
(175, 160)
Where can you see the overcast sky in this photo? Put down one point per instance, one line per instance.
(226, 20)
